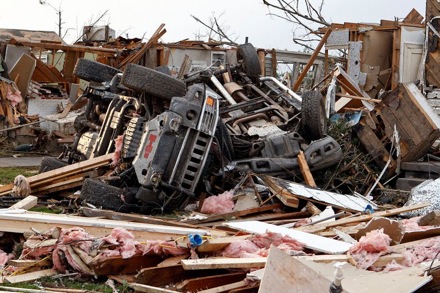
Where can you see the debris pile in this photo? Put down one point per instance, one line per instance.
(216, 176)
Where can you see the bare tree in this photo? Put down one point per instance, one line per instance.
(304, 13)
(216, 30)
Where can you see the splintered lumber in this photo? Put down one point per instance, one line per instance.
(299, 191)
(21, 223)
(305, 170)
(62, 174)
(286, 197)
(311, 241)
(134, 58)
(26, 203)
(223, 263)
(283, 272)
(30, 276)
(363, 218)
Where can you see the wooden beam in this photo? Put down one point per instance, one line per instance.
(218, 244)
(311, 60)
(27, 203)
(20, 223)
(30, 276)
(62, 173)
(363, 218)
(204, 283)
(305, 170)
(223, 263)
(226, 287)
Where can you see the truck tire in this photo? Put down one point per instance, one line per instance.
(313, 119)
(51, 163)
(150, 81)
(94, 71)
(164, 69)
(101, 195)
(248, 55)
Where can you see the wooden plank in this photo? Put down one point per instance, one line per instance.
(25, 263)
(286, 197)
(305, 170)
(223, 263)
(21, 223)
(225, 287)
(340, 201)
(382, 261)
(89, 212)
(149, 289)
(432, 218)
(218, 244)
(172, 261)
(306, 68)
(203, 283)
(117, 265)
(27, 203)
(310, 241)
(62, 172)
(161, 276)
(237, 214)
(364, 218)
(30, 276)
(363, 281)
(283, 273)
(134, 58)
(24, 67)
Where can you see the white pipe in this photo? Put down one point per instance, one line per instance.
(281, 85)
(222, 89)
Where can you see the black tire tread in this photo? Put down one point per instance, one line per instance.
(150, 81)
(248, 54)
(90, 70)
(313, 120)
(50, 163)
(101, 194)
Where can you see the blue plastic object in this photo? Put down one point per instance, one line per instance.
(195, 240)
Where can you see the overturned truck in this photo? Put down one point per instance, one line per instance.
(174, 139)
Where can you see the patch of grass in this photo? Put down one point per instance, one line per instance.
(89, 285)
(7, 175)
(46, 209)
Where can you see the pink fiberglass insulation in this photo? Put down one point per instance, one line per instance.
(239, 248)
(13, 94)
(4, 257)
(163, 248)
(258, 246)
(77, 237)
(370, 247)
(426, 250)
(124, 241)
(393, 266)
(118, 147)
(268, 238)
(412, 225)
(219, 204)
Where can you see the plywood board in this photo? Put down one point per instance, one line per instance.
(311, 241)
(284, 273)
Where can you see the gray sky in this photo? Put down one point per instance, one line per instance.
(243, 18)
